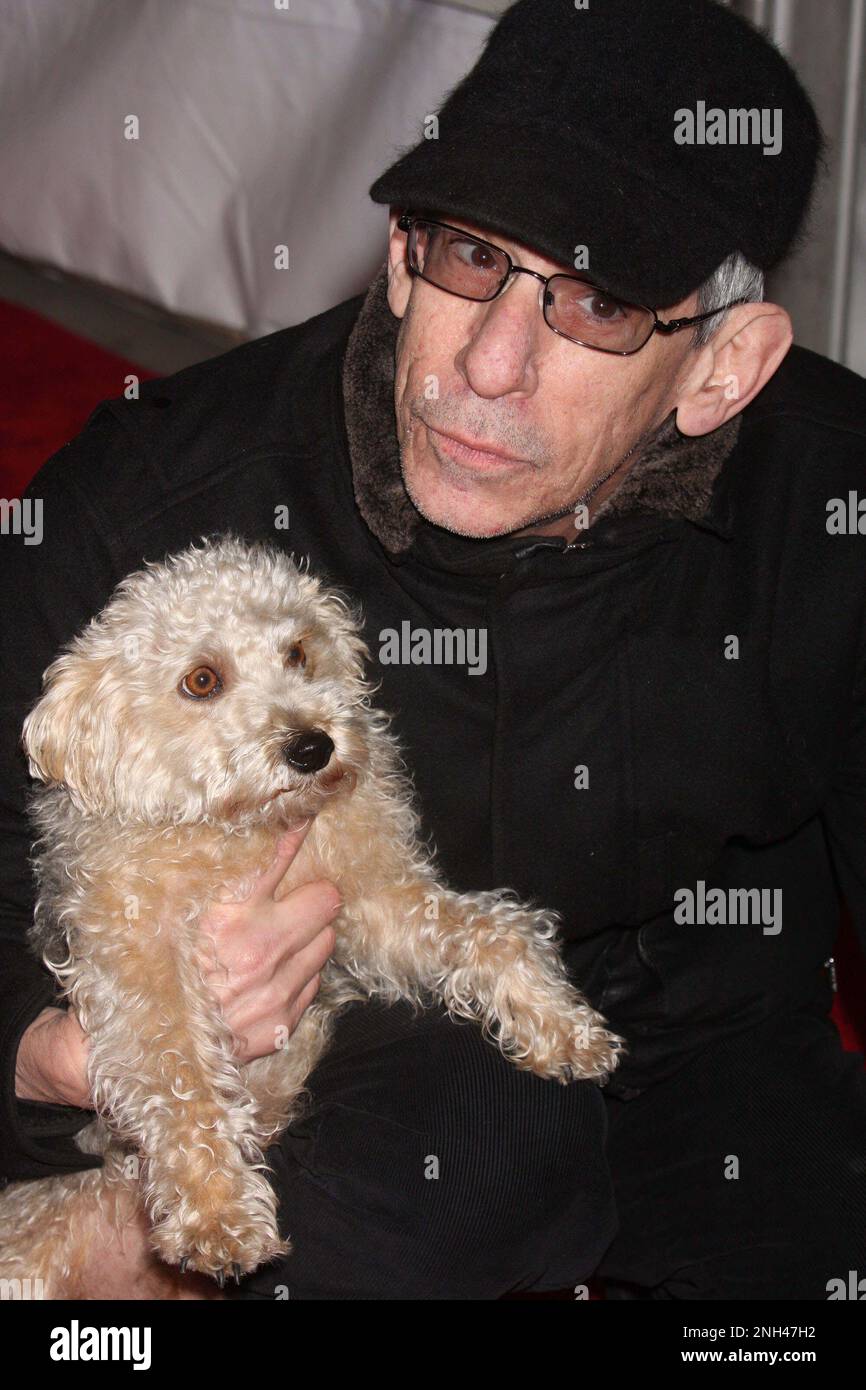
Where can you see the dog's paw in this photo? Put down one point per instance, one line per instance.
(222, 1251)
(222, 1233)
(589, 1051)
(572, 1045)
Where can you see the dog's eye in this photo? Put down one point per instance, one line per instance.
(201, 683)
(296, 656)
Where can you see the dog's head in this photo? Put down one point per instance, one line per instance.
(223, 684)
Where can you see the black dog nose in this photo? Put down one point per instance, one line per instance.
(309, 752)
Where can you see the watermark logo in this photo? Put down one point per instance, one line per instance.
(438, 646)
(77, 1343)
(852, 1288)
(846, 516)
(22, 516)
(741, 126)
(21, 1290)
(730, 907)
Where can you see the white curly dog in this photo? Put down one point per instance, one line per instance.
(216, 700)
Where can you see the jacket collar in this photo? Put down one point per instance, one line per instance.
(674, 476)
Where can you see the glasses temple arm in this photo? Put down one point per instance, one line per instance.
(674, 325)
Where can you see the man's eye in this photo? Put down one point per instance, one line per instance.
(471, 254)
(296, 657)
(577, 304)
(603, 308)
(201, 683)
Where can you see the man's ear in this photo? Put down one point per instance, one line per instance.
(399, 279)
(733, 367)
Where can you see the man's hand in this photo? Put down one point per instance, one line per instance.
(52, 1061)
(269, 953)
(268, 957)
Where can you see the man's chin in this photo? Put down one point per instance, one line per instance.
(462, 511)
(463, 521)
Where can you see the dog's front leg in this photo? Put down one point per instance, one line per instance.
(487, 957)
(162, 1070)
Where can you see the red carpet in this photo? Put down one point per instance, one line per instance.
(53, 379)
(849, 1010)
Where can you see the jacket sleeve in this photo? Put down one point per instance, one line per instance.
(844, 812)
(52, 581)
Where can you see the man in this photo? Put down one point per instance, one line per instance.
(622, 642)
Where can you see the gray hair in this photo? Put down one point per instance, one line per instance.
(735, 278)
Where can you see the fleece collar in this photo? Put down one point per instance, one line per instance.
(673, 476)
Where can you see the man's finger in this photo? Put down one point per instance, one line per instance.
(306, 996)
(287, 847)
(300, 968)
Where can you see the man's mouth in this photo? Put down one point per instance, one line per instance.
(477, 454)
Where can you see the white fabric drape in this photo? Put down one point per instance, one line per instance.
(263, 127)
(259, 127)
(823, 286)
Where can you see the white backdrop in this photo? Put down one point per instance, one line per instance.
(262, 126)
(258, 127)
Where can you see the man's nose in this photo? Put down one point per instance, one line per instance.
(309, 751)
(499, 357)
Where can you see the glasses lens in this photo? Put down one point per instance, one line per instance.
(457, 262)
(588, 315)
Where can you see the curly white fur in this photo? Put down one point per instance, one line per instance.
(153, 805)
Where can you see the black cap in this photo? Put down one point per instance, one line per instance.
(572, 130)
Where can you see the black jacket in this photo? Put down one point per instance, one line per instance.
(613, 654)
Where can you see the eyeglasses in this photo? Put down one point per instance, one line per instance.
(584, 313)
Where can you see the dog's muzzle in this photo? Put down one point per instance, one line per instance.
(309, 752)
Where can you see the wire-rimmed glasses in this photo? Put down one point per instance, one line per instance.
(467, 266)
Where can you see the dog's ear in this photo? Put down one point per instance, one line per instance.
(71, 735)
(342, 620)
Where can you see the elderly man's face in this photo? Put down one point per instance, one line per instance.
(555, 416)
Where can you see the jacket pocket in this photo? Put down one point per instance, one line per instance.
(633, 998)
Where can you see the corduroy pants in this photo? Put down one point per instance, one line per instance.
(744, 1175)
(427, 1167)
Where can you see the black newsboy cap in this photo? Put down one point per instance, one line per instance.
(662, 135)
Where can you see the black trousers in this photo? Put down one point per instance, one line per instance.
(428, 1167)
(744, 1175)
